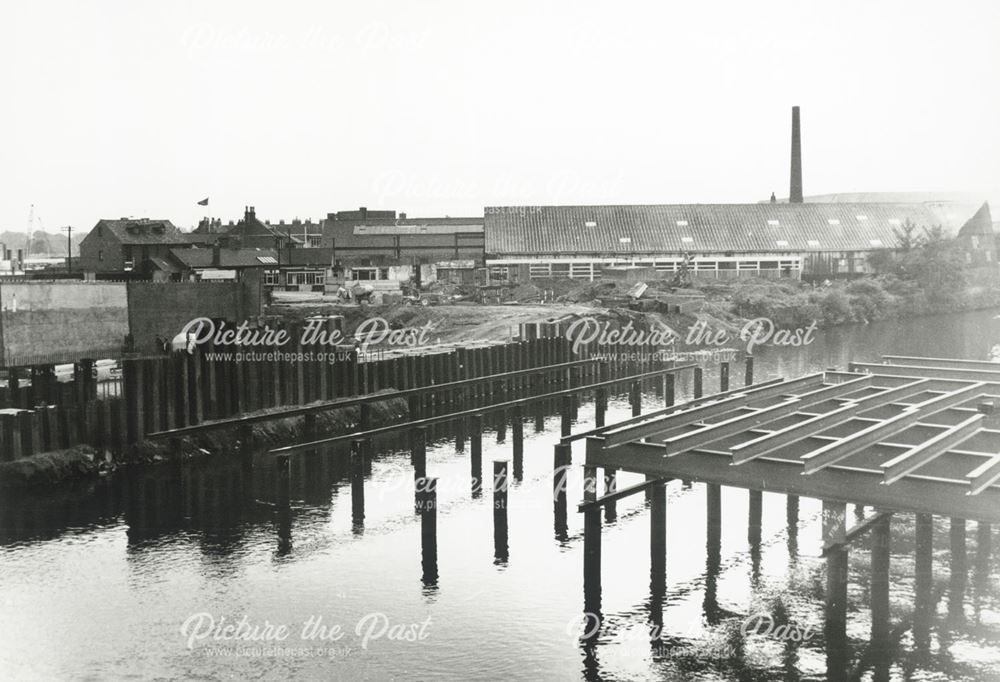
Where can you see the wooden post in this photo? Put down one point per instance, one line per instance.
(923, 584)
(195, 361)
(668, 390)
(984, 542)
(754, 531)
(517, 427)
(427, 490)
(500, 484)
(283, 501)
(561, 461)
(713, 499)
(418, 451)
(600, 406)
(12, 439)
(792, 523)
(835, 625)
(748, 372)
(879, 597)
(610, 486)
(133, 391)
(358, 449)
(699, 375)
(29, 432)
(723, 377)
(566, 414)
(959, 570)
(635, 395)
(592, 562)
(477, 455)
(658, 541)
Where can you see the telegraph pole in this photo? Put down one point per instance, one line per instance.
(69, 248)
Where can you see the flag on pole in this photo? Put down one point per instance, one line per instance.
(203, 202)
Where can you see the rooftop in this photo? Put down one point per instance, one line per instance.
(674, 228)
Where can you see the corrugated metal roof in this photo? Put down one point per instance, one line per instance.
(677, 228)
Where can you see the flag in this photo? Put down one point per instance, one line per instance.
(203, 202)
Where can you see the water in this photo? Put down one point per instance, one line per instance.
(96, 580)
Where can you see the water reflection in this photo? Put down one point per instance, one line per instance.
(225, 511)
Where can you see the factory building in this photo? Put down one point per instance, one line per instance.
(797, 238)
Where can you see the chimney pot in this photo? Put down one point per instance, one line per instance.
(364, 212)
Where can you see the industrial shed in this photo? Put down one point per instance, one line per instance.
(716, 240)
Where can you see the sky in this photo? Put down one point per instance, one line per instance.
(141, 109)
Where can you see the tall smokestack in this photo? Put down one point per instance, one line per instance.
(795, 190)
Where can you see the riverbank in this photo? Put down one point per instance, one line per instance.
(726, 305)
(80, 462)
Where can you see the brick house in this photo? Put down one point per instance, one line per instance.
(123, 245)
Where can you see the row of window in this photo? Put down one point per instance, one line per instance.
(273, 278)
(593, 269)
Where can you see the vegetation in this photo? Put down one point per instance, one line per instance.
(925, 274)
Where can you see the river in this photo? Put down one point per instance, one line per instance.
(122, 578)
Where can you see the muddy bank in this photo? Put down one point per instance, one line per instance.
(49, 468)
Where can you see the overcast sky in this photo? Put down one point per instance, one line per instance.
(141, 108)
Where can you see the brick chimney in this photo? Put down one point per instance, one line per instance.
(216, 254)
(364, 213)
(795, 189)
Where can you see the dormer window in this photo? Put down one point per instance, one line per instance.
(591, 223)
(687, 240)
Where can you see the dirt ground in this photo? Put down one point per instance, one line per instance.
(458, 323)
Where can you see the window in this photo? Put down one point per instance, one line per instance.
(975, 242)
(625, 240)
(773, 223)
(272, 277)
(590, 223)
(682, 223)
(306, 278)
(365, 273)
(535, 271)
(687, 240)
(833, 221)
(100, 255)
(315, 240)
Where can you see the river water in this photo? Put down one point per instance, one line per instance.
(97, 581)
